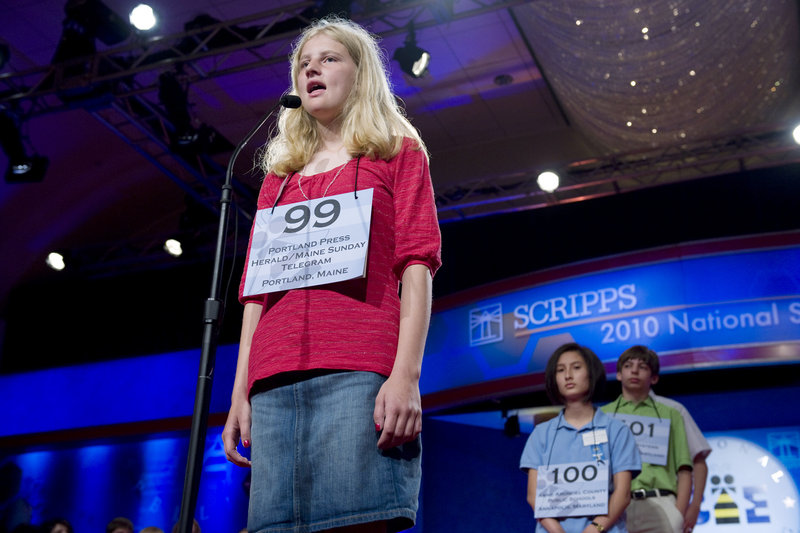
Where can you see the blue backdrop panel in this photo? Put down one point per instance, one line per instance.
(141, 479)
(113, 392)
(711, 307)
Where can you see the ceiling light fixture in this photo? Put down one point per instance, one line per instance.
(85, 21)
(796, 134)
(174, 97)
(143, 18)
(56, 261)
(173, 247)
(413, 60)
(548, 181)
(22, 168)
(5, 54)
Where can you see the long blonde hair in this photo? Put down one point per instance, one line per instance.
(373, 123)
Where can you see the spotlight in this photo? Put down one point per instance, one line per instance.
(5, 54)
(22, 168)
(796, 134)
(413, 60)
(173, 96)
(173, 247)
(84, 22)
(96, 20)
(56, 261)
(143, 18)
(548, 181)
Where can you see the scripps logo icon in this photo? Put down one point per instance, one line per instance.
(486, 324)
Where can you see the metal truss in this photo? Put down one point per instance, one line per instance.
(215, 50)
(616, 174)
(112, 84)
(145, 128)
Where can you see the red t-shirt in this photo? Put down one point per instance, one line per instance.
(350, 325)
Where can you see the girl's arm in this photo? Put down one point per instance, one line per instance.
(238, 423)
(551, 525)
(398, 407)
(617, 503)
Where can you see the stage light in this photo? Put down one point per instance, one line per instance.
(97, 20)
(84, 22)
(796, 134)
(413, 60)
(173, 96)
(22, 168)
(143, 18)
(173, 247)
(56, 261)
(548, 181)
(5, 55)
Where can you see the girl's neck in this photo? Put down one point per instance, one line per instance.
(578, 413)
(330, 134)
(331, 153)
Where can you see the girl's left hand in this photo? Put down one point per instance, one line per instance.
(398, 412)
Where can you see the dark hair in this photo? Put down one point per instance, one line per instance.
(195, 527)
(643, 353)
(119, 521)
(597, 373)
(10, 481)
(48, 526)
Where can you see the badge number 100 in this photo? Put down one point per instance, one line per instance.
(571, 474)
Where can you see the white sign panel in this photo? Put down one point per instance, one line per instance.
(652, 436)
(309, 243)
(571, 489)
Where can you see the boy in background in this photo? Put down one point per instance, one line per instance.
(660, 493)
(699, 449)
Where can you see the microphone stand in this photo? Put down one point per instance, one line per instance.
(212, 319)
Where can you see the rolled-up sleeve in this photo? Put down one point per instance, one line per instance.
(417, 236)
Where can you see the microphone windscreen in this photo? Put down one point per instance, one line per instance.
(291, 101)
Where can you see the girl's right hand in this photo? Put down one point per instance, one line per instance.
(237, 426)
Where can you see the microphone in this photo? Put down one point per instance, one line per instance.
(212, 318)
(289, 101)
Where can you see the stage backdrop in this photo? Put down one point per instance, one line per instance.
(475, 467)
(719, 304)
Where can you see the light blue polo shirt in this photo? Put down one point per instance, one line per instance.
(557, 441)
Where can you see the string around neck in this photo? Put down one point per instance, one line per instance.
(289, 177)
(324, 194)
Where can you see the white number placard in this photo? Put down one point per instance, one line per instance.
(309, 243)
(652, 436)
(571, 489)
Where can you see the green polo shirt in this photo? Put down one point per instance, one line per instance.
(657, 476)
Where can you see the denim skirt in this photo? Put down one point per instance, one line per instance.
(315, 460)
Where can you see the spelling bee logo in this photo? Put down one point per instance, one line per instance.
(486, 324)
(749, 488)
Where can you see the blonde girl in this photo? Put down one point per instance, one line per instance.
(326, 392)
